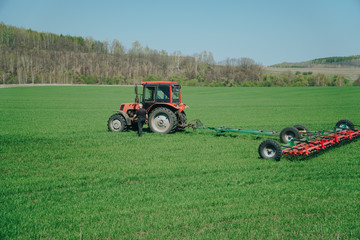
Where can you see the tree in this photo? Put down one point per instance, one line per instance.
(357, 81)
(136, 48)
(117, 48)
(338, 80)
(246, 62)
(321, 79)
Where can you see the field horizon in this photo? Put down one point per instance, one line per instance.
(352, 73)
(63, 175)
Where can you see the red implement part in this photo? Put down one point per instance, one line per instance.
(322, 143)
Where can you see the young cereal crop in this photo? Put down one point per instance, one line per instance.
(64, 176)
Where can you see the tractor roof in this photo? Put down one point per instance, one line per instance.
(160, 82)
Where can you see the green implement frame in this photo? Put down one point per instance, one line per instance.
(288, 133)
(218, 130)
(224, 129)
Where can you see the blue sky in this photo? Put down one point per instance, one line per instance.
(268, 31)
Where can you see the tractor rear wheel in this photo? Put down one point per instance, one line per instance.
(289, 133)
(270, 149)
(162, 120)
(345, 124)
(117, 123)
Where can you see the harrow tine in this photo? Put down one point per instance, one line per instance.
(306, 148)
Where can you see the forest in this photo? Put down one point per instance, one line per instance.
(31, 57)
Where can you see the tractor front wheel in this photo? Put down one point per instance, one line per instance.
(117, 123)
(162, 120)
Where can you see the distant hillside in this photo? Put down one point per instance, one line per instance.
(350, 61)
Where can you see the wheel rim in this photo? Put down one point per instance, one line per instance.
(289, 136)
(344, 126)
(161, 122)
(116, 124)
(269, 151)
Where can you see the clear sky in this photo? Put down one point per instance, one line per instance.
(268, 31)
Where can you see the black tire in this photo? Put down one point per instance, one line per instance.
(162, 120)
(301, 128)
(270, 149)
(117, 123)
(289, 133)
(182, 121)
(345, 124)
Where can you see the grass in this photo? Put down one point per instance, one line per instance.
(64, 176)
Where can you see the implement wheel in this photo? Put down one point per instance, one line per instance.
(270, 149)
(301, 128)
(345, 124)
(181, 121)
(289, 133)
(117, 123)
(162, 120)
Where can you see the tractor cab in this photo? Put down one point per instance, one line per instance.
(160, 93)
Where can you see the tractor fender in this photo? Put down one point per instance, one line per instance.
(125, 115)
(167, 105)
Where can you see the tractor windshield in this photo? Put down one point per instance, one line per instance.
(163, 93)
(176, 94)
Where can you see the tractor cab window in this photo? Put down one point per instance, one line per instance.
(149, 95)
(163, 94)
(176, 94)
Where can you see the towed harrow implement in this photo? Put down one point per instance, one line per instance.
(298, 140)
(312, 142)
(310, 147)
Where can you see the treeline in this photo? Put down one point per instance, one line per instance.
(30, 57)
(286, 79)
(335, 60)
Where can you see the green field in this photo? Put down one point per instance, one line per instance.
(64, 176)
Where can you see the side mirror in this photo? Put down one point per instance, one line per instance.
(136, 92)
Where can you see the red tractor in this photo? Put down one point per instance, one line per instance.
(162, 101)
